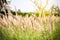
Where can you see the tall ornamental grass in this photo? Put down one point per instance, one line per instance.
(30, 28)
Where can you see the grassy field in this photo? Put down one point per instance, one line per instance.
(30, 28)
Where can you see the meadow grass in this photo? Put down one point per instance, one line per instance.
(30, 28)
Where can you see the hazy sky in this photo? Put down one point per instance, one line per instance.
(27, 5)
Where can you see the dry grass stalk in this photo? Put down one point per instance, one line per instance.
(32, 22)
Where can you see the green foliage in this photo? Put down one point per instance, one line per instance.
(47, 13)
(56, 33)
(13, 12)
(55, 10)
